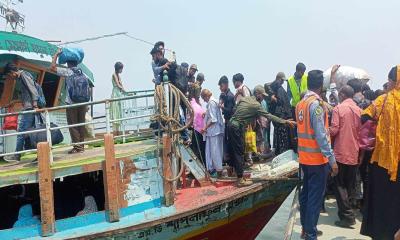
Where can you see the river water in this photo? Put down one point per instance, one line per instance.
(275, 229)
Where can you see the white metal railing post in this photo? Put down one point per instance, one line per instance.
(122, 123)
(107, 108)
(48, 133)
(166, 90)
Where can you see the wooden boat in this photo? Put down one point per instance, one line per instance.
(212, 212)
(130, 185)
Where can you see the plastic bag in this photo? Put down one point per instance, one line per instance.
(34, 138)
(250, 141)
(10, 122)
(71, 54)
(344, 74)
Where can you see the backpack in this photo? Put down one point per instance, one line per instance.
(79, 90)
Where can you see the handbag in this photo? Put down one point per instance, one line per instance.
(34, 138)
(10, 122)
(367, 133)
(250, 140)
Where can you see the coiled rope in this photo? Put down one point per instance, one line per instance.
(170, 121)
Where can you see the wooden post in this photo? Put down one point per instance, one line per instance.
(111, 179)
(46, 189)
(167, 170)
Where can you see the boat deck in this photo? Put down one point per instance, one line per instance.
(327, 225)
(69, 164)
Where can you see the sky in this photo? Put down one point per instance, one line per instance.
(255, 37)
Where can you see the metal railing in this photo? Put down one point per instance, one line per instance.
(145, 95)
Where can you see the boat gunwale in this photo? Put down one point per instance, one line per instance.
(256, 187)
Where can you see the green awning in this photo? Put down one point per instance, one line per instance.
(36, 51)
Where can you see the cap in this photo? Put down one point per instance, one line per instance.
(193, 66)
(280, 76)
(159, 44)
(200, 77)
(300, 67)
(185, 65)
(155, 50)
(260, 89)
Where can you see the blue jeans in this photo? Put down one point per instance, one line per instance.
(26, 121)
(311, 196)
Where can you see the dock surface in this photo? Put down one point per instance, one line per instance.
(326, 224)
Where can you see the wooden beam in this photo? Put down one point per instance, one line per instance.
(41, 77)
(111, 180)
(31, 66)
(8, 92)
(167, 170)
(46, 189)
(59, 89)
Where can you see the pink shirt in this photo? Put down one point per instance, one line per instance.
(344, 130)
(198, 120)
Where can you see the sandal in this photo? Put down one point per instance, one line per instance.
(75, 150)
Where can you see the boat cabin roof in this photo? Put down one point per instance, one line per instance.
(35, 56)
(14, 46)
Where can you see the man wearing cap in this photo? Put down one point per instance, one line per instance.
(241, 89)
(297, 85)
(316, 157)
(192, 71)
(195, 88)
(247, 110)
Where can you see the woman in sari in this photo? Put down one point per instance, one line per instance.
(381, 218)
(118, 91)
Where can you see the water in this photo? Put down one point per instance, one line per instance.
(275, 229)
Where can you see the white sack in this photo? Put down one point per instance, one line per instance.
(344, 74)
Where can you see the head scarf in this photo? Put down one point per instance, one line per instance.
(26, 217)
(386, 109)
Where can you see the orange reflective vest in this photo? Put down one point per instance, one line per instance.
(308, 148)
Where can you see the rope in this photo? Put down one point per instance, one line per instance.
(198, 146)
(169, 121)
(126, 34)
(93, 38)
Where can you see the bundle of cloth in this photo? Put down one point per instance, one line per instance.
(344, 74)
(71, 54)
